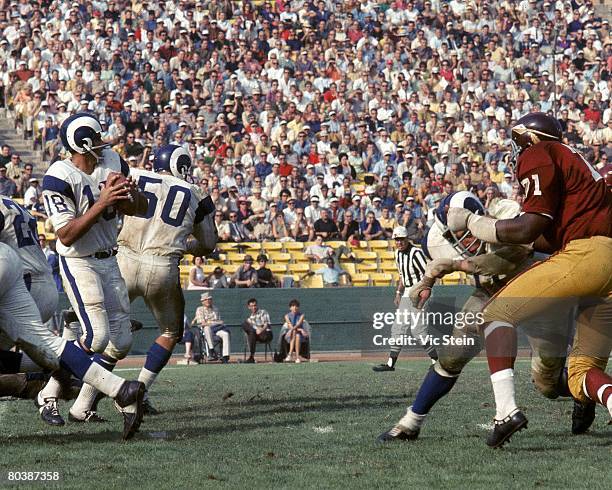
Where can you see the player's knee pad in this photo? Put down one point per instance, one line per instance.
(99, 341)
(545, 374)
(120, 342)
(453, 365)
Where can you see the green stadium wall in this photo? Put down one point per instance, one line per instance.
(341, 319)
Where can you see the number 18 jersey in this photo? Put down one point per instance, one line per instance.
(559, 183)
(175, 207)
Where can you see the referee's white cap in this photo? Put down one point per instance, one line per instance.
(399, 232)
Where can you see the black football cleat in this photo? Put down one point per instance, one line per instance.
(91, 417)
(381, 368)
(398, 433)
(505, 428)
(49, 412)
(149, 409)
(131, 392)
(583, 416)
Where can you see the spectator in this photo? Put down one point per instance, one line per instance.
(32, 194)
(257, 328)
(245, 276)
(317, 252)
(196, 275)
(295, 330)
(208, 318)
(331, 273)
(7, 186)
(217, 279)
(370, 228)
(238, 231)
(265, 278)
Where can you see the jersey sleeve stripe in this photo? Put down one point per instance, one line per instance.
(53, 184)
(205, 207)
(82, 311)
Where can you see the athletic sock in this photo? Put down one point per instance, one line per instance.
(87, 396)
(503, 389)
(597, 385)
(392, 358)
(412, 420)
(433, 387)
(157, 358)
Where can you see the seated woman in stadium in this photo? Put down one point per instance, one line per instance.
(197, 278)
(295, 330)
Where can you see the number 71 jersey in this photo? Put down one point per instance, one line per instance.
(18, 230)
(175, 207)
(559, 183)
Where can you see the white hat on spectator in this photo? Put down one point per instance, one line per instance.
(507, 176)
(376, 199)
(182, 123)
(490, 112)
(185, 106)
(204, 296)
(356, 197)
(399, 232)
(463, 155)
(132, 159)
(219, 133)
(334, 199)
(310, 165)
(146, 105)
(370, 189)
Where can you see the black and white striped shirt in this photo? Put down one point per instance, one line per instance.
(411, 266)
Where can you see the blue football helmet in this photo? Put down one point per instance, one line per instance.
(467, 246)
(174, 159)
(82, 133)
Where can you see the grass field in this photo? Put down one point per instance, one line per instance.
(309, 426)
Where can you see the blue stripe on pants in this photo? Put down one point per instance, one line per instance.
(75, 290)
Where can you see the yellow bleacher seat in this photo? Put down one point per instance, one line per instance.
(361, 279)
(225, 246)
(235, 257)
(315, 281)
(358, 188)
(291, 246)
(365, 255)
(378, 244)
(209, 268)
(308, 244)
(279, 257)
(457, 277)
(40, 227)
(253, 247)
(298, 256)
(348, 267)
(277, 268)
(388, 266)
(367, 267)
(272, 247)
(184, 275)
(50, 236)
(230, 268)
(316, 267)
(386, 254)
(381, 279)
(300, 268)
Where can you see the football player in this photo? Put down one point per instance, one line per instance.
(18, 231)
(568, 210)
(152, 244)
(21, 322)
(490, 266)
(83, 208)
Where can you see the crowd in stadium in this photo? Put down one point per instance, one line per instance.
(338, 119)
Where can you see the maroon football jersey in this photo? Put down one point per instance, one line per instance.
(558, 182)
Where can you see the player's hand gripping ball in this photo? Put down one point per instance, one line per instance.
(125, 206)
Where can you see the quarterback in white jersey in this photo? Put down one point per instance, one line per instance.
(83, 209)
(152, 244)
(18, 231)
(21, 322)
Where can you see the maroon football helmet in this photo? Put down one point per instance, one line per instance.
(533, 128)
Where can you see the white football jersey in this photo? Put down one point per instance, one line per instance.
(18, 230)
(175, 210)
(68, 193)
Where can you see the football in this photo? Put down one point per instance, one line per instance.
(124, 207)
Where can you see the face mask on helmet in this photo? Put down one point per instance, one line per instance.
(82, 134)
(463, 242)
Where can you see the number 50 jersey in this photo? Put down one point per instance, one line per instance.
(176, 210)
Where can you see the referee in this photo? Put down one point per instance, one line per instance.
(410, 262)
